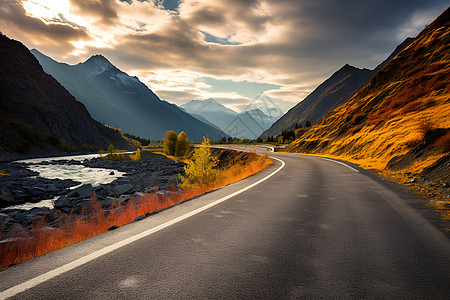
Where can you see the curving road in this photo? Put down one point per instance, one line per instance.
(314, 229)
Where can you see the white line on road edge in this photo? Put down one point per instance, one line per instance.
(338, 162)
(81, 261)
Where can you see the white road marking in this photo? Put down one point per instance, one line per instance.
(83, 260)
(338, 162)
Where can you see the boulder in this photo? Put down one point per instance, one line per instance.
(19, 194)
(83, 191)
(62, 202)
(138, 194)
(102, 190)
(107, 202)
(113, 227)
(6, 197)
(139, 218)
(123, 198)
(122, 189)
(51, 188)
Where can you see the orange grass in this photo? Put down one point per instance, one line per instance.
(74, 228)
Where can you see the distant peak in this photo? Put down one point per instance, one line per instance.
(98, 64)
(98, 57)
(348, 67)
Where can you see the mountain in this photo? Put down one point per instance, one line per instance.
(400, 119)
(122, 101)
(214, 112)
(248, 124)
(37, 114)
(334, 91)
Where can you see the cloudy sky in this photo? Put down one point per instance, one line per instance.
(229, 50)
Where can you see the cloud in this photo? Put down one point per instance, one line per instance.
(52, 38)
(295, 44)
(104, 10)
(239, 21)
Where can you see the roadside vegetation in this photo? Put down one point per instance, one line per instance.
(206, 169)
(399, 123)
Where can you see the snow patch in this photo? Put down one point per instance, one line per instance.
(127, 80)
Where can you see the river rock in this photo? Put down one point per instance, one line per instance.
(83, 191)
(107, 202)
(6, 197)
(19, 194)
(138, 194)
(123, 198)
(62, 201)
(121, 189)
(139, 218)
(102, 190)
(51, 188)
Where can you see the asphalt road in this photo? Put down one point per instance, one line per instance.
(315, 229)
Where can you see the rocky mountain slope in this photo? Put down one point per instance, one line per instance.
(401, 119)
(334, 91)
(122, 101)
(37, 114)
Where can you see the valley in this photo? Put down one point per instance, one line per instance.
(224, 149)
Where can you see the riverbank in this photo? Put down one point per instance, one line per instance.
(149, 185)
(153, 173)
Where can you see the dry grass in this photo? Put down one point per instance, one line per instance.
(391, 115)
(77, 228)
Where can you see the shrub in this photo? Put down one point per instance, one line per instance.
(201, 171)
(136, 156)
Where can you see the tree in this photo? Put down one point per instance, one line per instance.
(308, 124)
(170, 142)
(110, 149)
(182, 145)
(201, 171)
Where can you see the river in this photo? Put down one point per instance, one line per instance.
(85, 175)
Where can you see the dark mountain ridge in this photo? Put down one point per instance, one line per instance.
(399, 123)
(333, 92)
(122, 101)
(37, 112)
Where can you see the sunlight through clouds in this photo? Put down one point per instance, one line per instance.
(173, 46)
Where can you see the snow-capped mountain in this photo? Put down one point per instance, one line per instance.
(208, 105)
(211, 110)
(248, 124)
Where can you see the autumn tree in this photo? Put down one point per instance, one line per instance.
(182, 145)
(201, 171)
(170, 142)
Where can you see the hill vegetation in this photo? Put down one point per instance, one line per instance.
(334, 91)
(400, 121)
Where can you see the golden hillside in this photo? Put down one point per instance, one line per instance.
(406, 101)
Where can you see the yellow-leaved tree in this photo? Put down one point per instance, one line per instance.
(182, 145)
(201, 170)
(170, 142)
